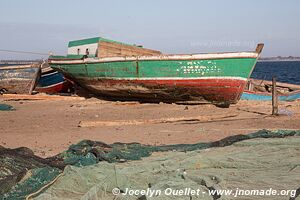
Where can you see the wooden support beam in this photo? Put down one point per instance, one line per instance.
(274, 97)
(154, 121)
(38, 97)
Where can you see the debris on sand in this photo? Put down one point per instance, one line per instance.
(5, 107)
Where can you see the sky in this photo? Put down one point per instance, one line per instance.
(171, 26)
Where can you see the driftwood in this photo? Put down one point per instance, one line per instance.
(153, 121)
(110, 49)
(252, 111)
(38, 97)
(16, 67)
(266, 86)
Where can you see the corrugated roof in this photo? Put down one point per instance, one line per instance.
(92, 41)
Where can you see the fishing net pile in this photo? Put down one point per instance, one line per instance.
(260, 160)
(5, 107)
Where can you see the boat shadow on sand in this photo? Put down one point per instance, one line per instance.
(158, 99)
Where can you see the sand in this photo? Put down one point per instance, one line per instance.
(50, 126)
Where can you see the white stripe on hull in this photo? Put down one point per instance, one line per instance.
(55, 72)
(160, 58)
(175, 78)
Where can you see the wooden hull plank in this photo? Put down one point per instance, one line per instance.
(19, 80)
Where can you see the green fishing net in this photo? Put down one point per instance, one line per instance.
(36, 179)
(120, 152)
(92, 168)
(5, 107)
(260, 164)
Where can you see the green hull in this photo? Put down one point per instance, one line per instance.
(237, 67)
(218, 78)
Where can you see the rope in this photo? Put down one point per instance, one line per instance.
(44, 187)
(24, 52)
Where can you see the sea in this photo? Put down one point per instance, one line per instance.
(284, 71)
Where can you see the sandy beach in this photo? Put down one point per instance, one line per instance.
(49, 126)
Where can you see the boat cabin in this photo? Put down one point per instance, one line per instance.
(101, 48)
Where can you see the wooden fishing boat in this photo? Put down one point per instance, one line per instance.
(261, 90)
(121, 71)
(52, 81)
(19, 79)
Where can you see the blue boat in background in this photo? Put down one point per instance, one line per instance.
(260, 90)
(256, 96)
(19, 79)
(52, 81)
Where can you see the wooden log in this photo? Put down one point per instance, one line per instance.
(153, 121)
(258, 82)
(274, 98)
(38, 97)
(16, 67)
